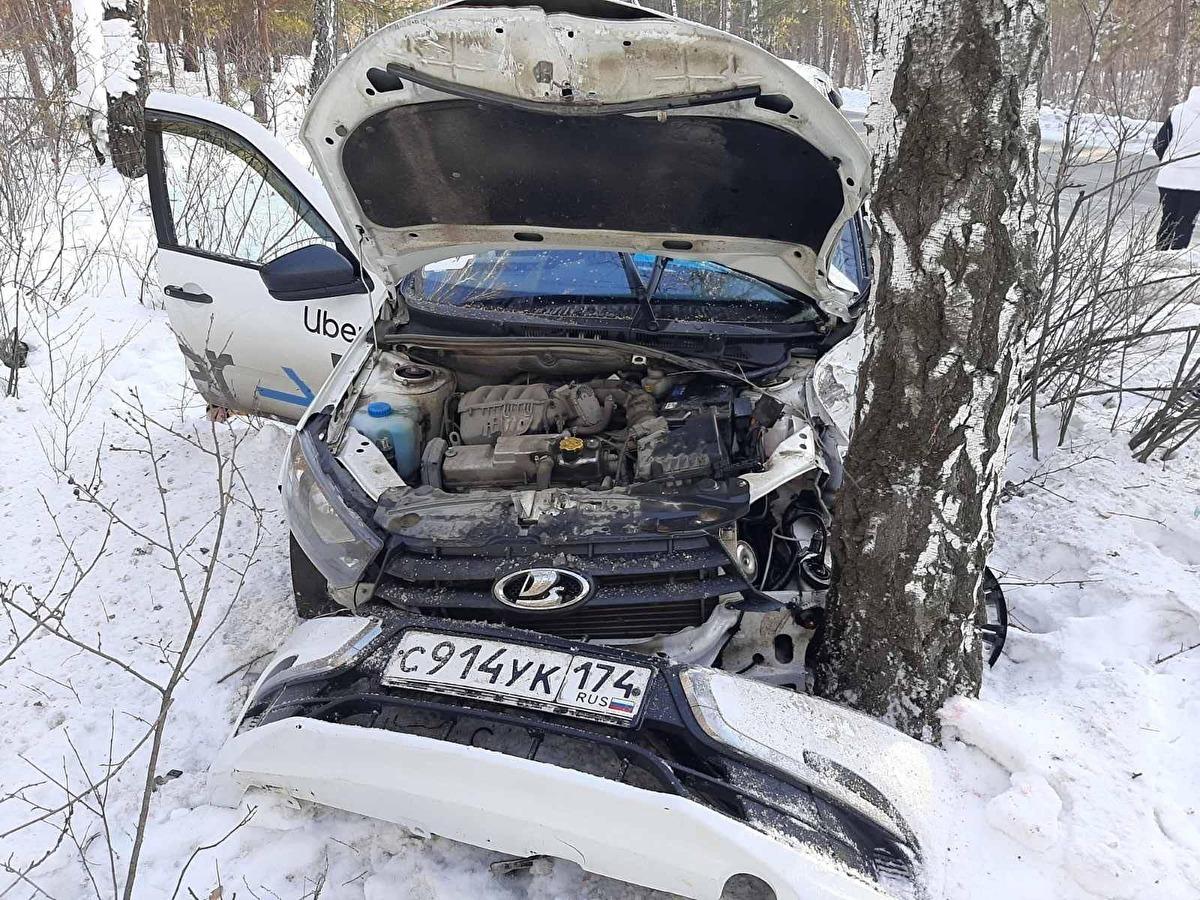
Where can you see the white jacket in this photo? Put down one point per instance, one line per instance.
(1184, 146)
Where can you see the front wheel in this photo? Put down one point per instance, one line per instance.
(310, 590)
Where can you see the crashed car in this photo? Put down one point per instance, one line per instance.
(551, 323)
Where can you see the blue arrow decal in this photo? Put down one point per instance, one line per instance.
(302, 399)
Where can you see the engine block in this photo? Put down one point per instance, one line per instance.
(490, 412)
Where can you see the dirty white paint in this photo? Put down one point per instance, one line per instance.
(604, 61)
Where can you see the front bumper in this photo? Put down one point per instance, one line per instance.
(684, 801)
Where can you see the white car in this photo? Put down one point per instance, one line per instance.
(548, 322)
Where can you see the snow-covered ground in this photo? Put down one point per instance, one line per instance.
(1099, 130)
(1073, 776)
(1081, 749)
(1090, 130)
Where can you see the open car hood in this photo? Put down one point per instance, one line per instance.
(585, 124)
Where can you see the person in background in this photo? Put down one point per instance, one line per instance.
(1179, 176)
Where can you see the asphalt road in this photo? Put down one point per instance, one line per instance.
(1087, 177)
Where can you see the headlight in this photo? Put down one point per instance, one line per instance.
(339, 543)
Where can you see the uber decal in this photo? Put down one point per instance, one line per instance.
(323, 323)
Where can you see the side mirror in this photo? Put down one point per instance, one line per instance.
(311, 273)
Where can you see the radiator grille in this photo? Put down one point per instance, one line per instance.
(641, 589)
(637, 620)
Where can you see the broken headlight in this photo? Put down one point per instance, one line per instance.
(339, 543)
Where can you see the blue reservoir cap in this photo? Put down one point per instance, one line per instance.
(379, 409)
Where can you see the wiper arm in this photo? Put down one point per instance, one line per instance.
(644, 291)
(656, 274)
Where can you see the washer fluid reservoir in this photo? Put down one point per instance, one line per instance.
(395, 428)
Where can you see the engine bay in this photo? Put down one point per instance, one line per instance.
(445, 430)
(639, 480)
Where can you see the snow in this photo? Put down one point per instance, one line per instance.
(120, 57)
(1074, 769)
(1027, 812)
(855, 99)
(1080, 700)
(107, 52)
(1098, 130)
(1095, 131)
(87, 17)
(1073, 776)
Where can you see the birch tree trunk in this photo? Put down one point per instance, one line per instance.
(953, 125)
(127, 70)
(324, 19)
(861, 23)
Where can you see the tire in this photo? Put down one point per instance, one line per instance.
(310, 590)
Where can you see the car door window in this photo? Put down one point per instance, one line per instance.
(226, 201)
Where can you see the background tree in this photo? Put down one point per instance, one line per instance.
(27, 26)
(254, 48)
(1138, 55)
(187, 29)
(953, 126)
(127, 67)
(1177, 30)
(324, 23)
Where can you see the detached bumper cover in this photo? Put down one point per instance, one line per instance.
(682, 802)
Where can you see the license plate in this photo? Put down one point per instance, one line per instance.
(573, 684)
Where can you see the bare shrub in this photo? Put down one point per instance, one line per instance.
(1110, 312)
(1176, 419)
(67, 232)
(73, 808)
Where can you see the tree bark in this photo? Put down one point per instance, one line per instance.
(263, 29)
(861, 24)
(64, 51)
(203, 55)
(188, 43)
(1177, 31)
(37, 88)
(953, 126)
(221, 60)
(169, 56)
(256, 61)
(324, 18)
(842, 58)
(127, 110)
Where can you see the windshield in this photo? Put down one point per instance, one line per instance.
(570, 285)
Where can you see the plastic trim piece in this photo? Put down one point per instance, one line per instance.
(568, 107)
